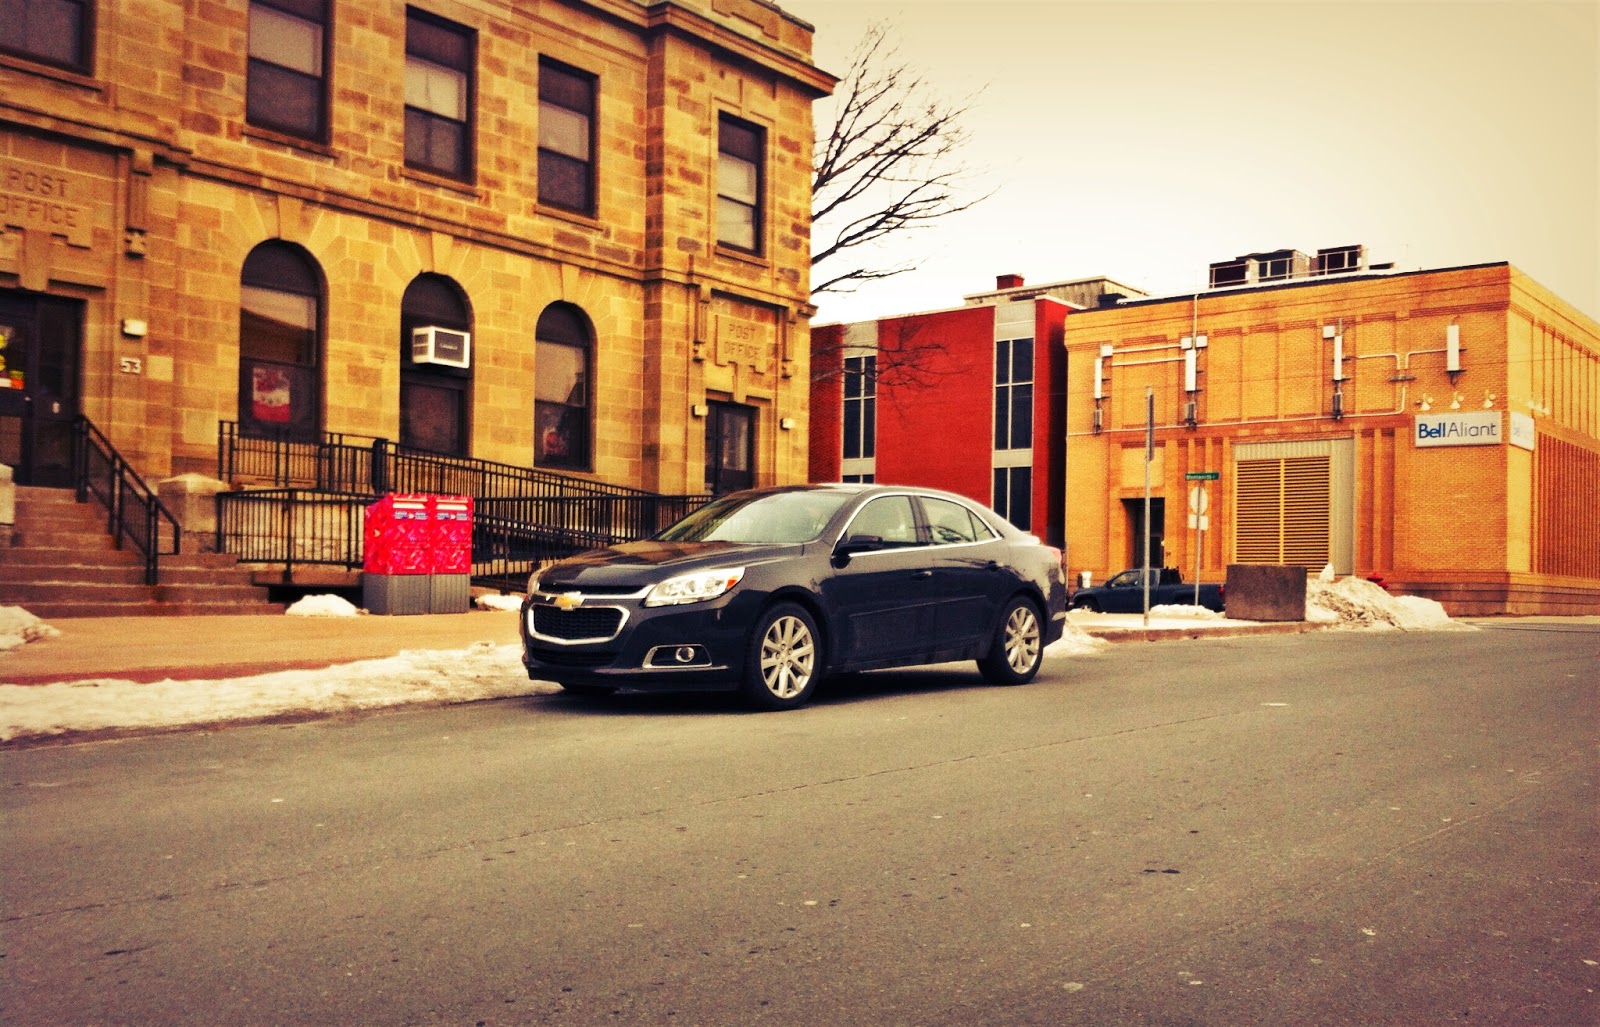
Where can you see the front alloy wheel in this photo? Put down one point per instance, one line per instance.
(784, 659)
(1018, 647)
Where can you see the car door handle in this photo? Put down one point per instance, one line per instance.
(922, 574)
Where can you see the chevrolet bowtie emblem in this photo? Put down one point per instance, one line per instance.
(569, 600)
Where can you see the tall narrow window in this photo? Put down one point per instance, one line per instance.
(1013, 394)
(566, 137)
(561, 389)
(439, 63)
(280, 342)
(740, 148)
(52, 31)
(1013, 495)
(434, 397)
(860, 419)
(285, 89)
(1013, 431)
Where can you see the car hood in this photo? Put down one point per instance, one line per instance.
(645, 563)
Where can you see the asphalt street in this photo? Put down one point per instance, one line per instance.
(1332, 828)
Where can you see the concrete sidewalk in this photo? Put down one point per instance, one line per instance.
(215, 647)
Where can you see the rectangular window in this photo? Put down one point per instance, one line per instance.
(561, 406)
(439, 63)
(860, 407)
(1013, 495)
(285, 89)
(52, 31)
(740, 153)
(1013, 394)
(566, 137)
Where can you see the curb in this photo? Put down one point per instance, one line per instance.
(1170, 634)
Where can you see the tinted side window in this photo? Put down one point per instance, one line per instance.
(890, 518)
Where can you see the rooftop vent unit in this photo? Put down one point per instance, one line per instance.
(1338, 260)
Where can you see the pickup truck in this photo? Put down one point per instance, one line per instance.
(1124, 593)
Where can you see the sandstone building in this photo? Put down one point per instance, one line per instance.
(570, 234)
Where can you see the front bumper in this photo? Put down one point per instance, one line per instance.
(620, 643)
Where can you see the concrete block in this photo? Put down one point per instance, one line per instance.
(449, 593)
(1266, 592)
(8, 496)
(396, 594)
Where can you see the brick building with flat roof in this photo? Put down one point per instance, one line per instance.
(1437, 428)
(571, 235)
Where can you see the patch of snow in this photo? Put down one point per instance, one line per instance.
(19, 627)
(490, 601)
(323, 606)
(1184, 611)
(484, 671)
(1358, 603)
(1327, 573)
(1075, 641)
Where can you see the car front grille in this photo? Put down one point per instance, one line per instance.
(585, 624)
(565, 658)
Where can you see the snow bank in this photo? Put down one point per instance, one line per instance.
(19, 627)
(1358, 603)
(323, 606)
(484, 671)
(1075, 641)
(1180, 611)
(498, 602)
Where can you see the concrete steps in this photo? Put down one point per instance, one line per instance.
(61, 562)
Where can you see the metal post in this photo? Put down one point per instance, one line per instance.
(1199, 539)
(1149, 455)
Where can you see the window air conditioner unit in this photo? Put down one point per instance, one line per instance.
(447, 347)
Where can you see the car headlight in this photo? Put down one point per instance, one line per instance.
(694, 588)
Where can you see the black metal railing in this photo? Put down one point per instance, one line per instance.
(134, 516)
(339, 462)
(511, 535)
(292, 526)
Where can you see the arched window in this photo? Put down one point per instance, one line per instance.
(280, 343)
(561, 389)
(435, 399)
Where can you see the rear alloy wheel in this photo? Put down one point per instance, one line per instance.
(1018, 647)
(782, 665)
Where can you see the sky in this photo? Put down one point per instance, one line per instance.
(489, 671)
(1144, 141)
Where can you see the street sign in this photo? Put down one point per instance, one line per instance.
(1202, 475)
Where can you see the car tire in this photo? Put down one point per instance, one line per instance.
(784, 660)
(1017, 650)
(588, 691)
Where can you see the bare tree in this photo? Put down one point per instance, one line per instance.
(887, 164)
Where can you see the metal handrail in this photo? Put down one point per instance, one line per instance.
(134, 514)
(340, 462)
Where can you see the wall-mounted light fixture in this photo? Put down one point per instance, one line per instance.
(786, 423)
(699, 410)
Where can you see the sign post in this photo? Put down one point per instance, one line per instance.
(1198, 519)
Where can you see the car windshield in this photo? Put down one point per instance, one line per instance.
(772, 517)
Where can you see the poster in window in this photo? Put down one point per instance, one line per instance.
(270, 395)
(558, 434)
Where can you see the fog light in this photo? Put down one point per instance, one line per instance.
(686, 654)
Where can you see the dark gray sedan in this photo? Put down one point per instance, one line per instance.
(771, 590)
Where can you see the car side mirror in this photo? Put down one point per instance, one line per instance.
(850, 545)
